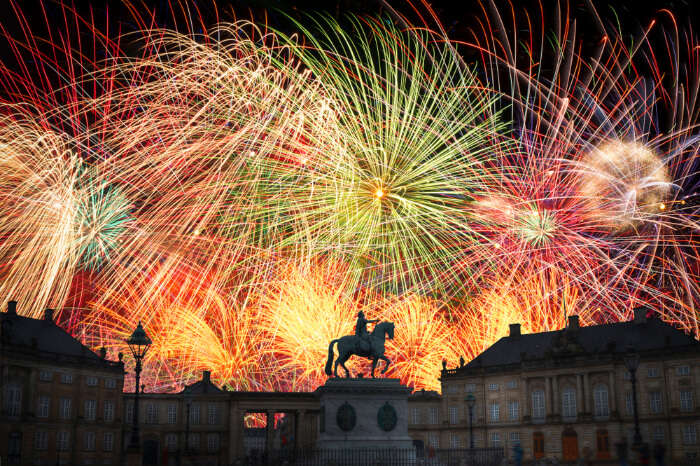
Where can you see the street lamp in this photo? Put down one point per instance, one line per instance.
(471, 401)
(138, 344)
(632, 363)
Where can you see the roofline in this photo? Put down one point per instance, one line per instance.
(580, 360)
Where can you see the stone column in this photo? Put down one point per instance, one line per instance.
(613, 392)
(555, 395)
(269, 430)
(579, 394)
(298, 427)
(237, 433)
(525, 394)
(586, 393)
(548, 395)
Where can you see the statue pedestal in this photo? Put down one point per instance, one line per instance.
(364, 414)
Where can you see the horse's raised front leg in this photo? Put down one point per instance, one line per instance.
(374, 365)
(387, 361)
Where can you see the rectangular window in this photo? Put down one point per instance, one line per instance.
(655, 404)
(453, 411)
(601, 407)
(213, 414)
(433, 417)
(470, 388)
(65, 408)
(193, 441)
(212, 443)
(538, 404)
(91, 381)
(41, 440)
(568, 403)
(44, 405)
(512, 384)
(495, 439)
(108, 441)
(652, 372)
(110, 383)
(515, 438)
(415, 416)
(494, 411)
(13, 400)
(62, 440)
(493, 387)
(689, 434)
(454, 441)
(434, 440)
(172, 414)
(629, 403)
(514, 410)
(109, 410)
(686, 400)
(129, 417)
(89, 441)
(66, 378)
(194, 414)
(171, 442)
(45, 376)
(682, 371)
(90, 410)
(658, 434)
(452, 389)
(151, 413)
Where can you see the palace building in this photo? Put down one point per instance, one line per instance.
(569, 393)
(564, 394)
(61, 403)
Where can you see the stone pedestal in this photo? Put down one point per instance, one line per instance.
(363, 414)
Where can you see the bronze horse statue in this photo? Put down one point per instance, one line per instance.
(351, 345)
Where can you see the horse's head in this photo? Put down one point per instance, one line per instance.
(384, 329)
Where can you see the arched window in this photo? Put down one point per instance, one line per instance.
(568, 403)
(600, 397)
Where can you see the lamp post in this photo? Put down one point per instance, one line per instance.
(632, 363)
(138, 344)
(471, 401)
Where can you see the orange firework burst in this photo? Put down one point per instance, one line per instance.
(539, 302)
(423, 339)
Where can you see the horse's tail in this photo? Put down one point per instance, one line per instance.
(329, 363)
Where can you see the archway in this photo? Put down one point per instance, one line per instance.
(569, 445)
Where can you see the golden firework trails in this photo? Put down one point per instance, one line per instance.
(244, 193)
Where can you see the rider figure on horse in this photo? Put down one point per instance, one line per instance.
(361, 330)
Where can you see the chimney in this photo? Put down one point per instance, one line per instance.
(206, 376)
(640, 315)
(514, 330)
(48, 315)
(12, 308)
(573, 323)
(103, 352)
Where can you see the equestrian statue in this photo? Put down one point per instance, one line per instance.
(363, 344)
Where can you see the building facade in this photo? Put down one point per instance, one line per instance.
(61, 403)
(568, 393)
(205, 425)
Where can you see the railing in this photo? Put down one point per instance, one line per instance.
(376, 457)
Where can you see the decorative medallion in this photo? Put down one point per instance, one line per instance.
(386, 417)
(346, 417)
